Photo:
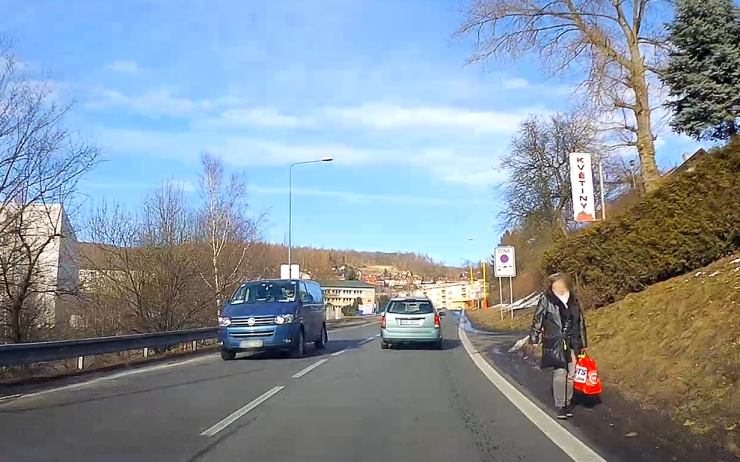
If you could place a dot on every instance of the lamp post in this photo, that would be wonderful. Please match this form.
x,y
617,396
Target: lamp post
x,y
290,206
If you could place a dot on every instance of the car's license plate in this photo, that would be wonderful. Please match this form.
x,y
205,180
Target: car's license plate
x,y
250,344
408,322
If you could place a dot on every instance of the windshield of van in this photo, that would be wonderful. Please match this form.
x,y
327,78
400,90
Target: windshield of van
x,y
410,307
265,291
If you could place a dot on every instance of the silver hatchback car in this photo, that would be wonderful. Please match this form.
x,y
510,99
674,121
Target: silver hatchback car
x,y
411,320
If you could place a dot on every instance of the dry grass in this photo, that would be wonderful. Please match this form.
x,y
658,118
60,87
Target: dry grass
x,y
490,319
673,348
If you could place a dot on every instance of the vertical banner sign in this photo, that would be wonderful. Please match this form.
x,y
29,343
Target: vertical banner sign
x,y
582,184
504,265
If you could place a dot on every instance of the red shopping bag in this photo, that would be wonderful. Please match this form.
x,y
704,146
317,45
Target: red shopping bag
x,y
587,379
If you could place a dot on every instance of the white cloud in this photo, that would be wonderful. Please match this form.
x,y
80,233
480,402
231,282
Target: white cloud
x,y
453,144
237,150
515,83
473,165
386,117
154,103
355,197
124,67
187,186
469,166
258,117
231,113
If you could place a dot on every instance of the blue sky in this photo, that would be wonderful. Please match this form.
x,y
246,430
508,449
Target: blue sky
x,y
379,85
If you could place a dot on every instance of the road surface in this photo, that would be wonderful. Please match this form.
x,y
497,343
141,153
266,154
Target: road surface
x,y
353,402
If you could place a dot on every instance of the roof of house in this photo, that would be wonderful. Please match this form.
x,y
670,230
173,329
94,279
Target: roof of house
x,y
687,162
347,284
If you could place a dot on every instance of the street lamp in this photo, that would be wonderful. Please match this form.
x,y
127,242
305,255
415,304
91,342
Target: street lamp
x,y
290,204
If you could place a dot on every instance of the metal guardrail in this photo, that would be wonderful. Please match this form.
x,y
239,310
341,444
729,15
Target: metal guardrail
x,y
26,353
530,301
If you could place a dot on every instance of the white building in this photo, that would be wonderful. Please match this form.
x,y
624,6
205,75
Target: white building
x,y
41,233
451,295
339,294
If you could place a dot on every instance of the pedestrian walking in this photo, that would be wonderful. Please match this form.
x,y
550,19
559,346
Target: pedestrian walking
x,y
559,325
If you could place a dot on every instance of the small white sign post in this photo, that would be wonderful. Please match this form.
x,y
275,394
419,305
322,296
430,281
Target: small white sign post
x,y
293,273
504,266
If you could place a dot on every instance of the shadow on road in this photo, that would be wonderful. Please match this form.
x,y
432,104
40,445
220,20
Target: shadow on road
x,y
105,396
311,352
447,344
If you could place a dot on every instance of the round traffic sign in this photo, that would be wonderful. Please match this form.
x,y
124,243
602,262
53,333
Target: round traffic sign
x,y
504,258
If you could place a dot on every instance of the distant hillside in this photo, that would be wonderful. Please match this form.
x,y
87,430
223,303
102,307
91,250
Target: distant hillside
x,y
323,263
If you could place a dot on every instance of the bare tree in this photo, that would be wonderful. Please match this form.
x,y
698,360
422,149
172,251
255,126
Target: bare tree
x,y
617,43
40,165
225,227
150,263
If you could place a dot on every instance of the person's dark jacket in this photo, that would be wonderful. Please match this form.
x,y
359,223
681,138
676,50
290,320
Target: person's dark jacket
x,y
560,328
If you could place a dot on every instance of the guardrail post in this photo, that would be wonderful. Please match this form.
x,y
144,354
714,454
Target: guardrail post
x,y
195,345
80,362
146,352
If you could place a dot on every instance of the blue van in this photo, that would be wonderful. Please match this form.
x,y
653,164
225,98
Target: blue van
x,y
281,314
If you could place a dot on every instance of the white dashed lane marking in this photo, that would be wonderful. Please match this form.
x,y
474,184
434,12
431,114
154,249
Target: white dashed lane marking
x,y
309,368
241,411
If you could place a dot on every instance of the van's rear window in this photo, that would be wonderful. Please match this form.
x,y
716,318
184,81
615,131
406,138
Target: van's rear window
x,y
410,307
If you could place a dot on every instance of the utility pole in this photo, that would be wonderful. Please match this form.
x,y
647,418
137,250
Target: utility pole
x,y
601,187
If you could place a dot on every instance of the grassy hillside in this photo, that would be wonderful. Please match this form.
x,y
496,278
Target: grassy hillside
x,y
675,347
672,348
490,319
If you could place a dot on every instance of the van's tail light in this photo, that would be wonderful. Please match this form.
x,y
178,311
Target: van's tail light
x,y
382,321
436,321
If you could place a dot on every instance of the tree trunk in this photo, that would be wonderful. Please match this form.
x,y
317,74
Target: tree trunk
x,y
645,139
16,334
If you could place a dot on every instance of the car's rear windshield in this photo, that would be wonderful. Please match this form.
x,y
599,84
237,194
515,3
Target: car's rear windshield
x,y
410,307
265,291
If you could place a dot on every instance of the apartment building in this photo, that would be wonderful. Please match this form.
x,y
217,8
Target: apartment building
x,y
41,233
451,295
345,293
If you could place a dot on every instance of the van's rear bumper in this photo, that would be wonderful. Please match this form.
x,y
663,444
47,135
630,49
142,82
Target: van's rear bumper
x,y
242,338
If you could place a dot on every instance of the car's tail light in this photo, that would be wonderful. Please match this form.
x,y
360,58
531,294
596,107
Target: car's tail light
x,y
382,321
436,321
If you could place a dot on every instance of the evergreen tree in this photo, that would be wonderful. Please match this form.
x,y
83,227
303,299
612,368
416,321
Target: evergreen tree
x,y
703,71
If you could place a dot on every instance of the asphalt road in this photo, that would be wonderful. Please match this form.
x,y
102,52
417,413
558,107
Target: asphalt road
x,y
360,403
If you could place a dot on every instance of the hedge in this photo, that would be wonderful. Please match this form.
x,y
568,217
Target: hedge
x,y
690,221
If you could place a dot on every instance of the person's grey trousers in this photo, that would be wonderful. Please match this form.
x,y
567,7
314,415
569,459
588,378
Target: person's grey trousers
x,y
562,383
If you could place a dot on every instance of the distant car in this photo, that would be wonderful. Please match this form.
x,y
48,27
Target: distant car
x,y
273,315
411,320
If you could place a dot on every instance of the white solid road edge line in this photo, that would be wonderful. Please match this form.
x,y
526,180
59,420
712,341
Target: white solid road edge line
x,y
313,366
572,446
337,353
241,411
